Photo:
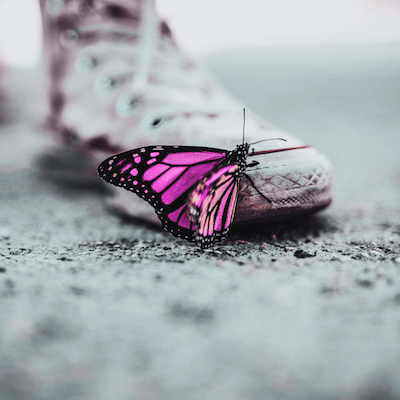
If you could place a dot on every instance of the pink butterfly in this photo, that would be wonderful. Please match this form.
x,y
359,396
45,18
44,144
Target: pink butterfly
x,y
193,190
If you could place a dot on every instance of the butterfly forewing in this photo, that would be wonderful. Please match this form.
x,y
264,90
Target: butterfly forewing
x,y
164,176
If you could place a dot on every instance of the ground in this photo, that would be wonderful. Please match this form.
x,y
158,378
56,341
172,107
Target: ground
x,y
97,307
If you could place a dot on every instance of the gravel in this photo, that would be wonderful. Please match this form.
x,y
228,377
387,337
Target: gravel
x,y
94,306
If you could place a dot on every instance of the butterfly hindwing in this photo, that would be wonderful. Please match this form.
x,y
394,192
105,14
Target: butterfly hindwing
x,y
164,176
212,205
178,223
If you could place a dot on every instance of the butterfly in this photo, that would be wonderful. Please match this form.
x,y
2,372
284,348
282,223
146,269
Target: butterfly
x,y
193,190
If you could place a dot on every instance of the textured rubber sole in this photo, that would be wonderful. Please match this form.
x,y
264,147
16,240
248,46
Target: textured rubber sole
x,y
294,182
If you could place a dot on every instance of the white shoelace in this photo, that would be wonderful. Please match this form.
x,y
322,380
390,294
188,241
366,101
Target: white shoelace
x,y
153,77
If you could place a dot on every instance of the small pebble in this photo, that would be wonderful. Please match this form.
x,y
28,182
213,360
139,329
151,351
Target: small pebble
x,y
98,243
375,253
288,248
303,254
64,259
397,260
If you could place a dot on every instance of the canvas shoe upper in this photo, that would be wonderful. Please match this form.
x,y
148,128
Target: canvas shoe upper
x,y
119,81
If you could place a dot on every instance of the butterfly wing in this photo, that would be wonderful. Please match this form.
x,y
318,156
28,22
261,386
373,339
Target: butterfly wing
x,y
212,205
163,176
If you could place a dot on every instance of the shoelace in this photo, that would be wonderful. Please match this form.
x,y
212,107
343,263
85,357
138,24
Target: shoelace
x,y
155,79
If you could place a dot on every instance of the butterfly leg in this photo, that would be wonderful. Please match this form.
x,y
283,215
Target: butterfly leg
x,y
252,164
254,186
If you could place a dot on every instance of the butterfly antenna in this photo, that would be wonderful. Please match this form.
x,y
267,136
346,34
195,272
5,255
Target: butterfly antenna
x,y
244,123
267,140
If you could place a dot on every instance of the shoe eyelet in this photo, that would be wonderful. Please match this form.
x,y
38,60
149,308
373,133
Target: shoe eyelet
x,y
128,105
106,84
154,123
86,64
69,38
54,7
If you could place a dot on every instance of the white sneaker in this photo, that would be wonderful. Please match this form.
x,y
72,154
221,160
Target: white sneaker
x,y
119,81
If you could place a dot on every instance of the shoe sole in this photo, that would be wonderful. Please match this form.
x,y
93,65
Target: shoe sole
x,y
294,182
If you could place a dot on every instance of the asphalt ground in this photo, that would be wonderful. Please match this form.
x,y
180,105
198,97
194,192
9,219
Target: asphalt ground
x,y
96,306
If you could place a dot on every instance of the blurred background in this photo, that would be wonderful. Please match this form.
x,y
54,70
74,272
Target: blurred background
x,y
207,25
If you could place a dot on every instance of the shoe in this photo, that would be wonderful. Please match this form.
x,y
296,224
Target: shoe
x,y
118,81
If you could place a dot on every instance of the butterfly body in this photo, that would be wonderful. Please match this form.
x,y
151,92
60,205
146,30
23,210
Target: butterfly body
x,y
192,189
